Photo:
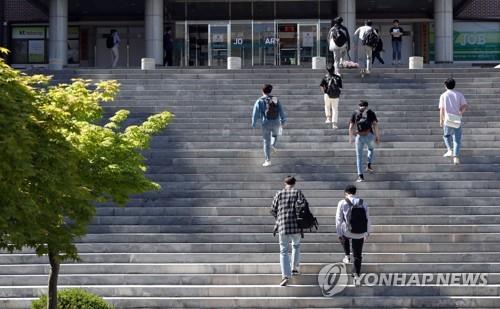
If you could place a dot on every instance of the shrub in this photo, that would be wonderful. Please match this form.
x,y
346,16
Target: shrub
x,y
73,299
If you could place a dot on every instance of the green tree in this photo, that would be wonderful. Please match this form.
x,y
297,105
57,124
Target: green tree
x,y
57,161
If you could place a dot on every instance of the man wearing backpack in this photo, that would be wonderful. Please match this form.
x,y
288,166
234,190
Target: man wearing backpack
x,y
284,212
369,40
269,111
353,224
330,85
339,43
364,126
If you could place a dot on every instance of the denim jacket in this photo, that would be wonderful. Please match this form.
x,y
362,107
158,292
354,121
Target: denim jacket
x,y
259,110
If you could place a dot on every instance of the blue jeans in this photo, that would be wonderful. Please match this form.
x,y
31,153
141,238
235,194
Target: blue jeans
x,y
454,134
361,141
396,50
269,137
286,267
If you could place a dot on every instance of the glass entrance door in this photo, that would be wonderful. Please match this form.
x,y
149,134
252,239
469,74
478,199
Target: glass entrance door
x,y
307,44
287,34
265,43
197,45
219,47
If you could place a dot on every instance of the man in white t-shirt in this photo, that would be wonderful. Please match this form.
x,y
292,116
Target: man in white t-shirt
x,y
361,33
452,105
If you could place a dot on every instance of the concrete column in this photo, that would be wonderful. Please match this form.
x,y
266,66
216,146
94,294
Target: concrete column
x,y
347,10
154,30
58,34
443,21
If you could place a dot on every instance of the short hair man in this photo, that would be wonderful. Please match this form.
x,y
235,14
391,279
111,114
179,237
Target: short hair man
x,y
364,126
452,105
269,111
362,33
330,85
397,38
344,229
339,43
283,210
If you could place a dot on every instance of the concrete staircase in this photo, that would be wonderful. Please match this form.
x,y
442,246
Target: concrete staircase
x,y
206,239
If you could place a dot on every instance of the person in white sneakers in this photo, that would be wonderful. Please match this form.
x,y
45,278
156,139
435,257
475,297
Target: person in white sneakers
x,y
330,85
369,40
269,111
339,43
353,225
452,105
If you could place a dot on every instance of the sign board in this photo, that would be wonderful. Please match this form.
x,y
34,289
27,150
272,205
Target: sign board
x,y
472,41
28,33
308,39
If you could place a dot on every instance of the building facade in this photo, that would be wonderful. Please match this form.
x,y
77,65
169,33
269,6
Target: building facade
x,y
204,33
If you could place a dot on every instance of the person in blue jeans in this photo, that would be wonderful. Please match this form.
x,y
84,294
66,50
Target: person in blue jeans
x,y
287,227
396,34
364,127
452,105
269,111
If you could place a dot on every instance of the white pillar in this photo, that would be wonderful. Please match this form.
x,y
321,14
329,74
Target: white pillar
x,y
443,21
347,10
58,34
154,30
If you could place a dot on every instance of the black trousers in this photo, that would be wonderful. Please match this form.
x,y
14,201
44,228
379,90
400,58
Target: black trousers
x,y
168,59
357,251
376,55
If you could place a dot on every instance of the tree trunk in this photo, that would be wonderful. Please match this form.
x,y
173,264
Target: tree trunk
x,y
54,275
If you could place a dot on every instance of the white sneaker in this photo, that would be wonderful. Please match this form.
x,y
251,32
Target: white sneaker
x,y
356,280
347,259
266,163
328,120
334,126
448,154
456,161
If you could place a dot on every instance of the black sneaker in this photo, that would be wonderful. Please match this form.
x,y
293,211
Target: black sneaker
x,y
295,272
360,178
369,168
284,282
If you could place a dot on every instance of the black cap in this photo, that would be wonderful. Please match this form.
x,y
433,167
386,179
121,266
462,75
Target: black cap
x,y
363,103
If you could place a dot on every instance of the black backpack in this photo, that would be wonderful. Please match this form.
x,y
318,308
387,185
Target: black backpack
x,y
305,219
357,222
339,35
370,38
110,42
271,111
332,88
362,123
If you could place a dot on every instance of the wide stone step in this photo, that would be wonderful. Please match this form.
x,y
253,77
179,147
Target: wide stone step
x,y
139,257
328,185
268,221
338,138
332,246
259,291
318,145
379,228
325,202
273,268
318,211
289,302
125,280
317,237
